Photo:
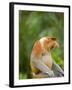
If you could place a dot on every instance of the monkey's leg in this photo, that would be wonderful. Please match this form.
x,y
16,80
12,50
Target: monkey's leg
x,y
57,70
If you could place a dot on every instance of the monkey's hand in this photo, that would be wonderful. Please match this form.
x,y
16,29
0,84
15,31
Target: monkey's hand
x,y
43,68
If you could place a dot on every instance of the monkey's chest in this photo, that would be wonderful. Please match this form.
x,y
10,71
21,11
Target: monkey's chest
x,y
47,60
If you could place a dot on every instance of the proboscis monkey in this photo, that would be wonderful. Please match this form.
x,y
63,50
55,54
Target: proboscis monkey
x,y
42,63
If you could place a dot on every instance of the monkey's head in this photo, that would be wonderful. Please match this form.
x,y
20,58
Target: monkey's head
x,y
48,43
44,45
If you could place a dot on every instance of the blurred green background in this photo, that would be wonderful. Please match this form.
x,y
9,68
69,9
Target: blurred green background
x,y
32,26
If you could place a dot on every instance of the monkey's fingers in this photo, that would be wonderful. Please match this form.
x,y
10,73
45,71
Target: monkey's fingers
x,y
40,75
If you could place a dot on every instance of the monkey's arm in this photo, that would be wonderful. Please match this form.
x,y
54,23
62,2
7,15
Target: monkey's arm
x,y
57,70
43,68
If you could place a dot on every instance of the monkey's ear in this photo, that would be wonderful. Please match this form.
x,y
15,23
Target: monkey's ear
x,y
53,38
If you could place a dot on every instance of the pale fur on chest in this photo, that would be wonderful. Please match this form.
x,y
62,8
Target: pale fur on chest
x,y
47,59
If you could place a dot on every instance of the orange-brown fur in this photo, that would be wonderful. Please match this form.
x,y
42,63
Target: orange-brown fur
x,y
37,49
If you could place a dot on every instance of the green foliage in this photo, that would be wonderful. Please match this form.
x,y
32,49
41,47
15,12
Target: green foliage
x,y
32,26
22,76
